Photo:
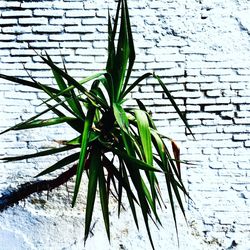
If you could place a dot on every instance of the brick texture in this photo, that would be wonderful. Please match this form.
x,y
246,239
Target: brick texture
x,y
202,45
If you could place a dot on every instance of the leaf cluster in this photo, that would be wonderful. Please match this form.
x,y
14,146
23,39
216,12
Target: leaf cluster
x,y
119,148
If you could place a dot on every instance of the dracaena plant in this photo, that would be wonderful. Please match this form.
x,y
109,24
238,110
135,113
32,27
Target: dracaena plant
x,y
115,144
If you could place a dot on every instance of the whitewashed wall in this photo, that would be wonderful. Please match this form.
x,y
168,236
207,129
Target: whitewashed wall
x,y
209,42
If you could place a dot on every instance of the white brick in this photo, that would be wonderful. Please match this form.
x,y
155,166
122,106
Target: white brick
x,y
213,93
244,93
203,130
16,29
22,52
26,96
80,13
77,45
242,120
216,72
6,21
212,86
11,4
240,100
31,37
41,20
15,59
66,5
47,29
244,107
94,21
219,108
243,71
80,29
199,101
147,95
184,94
59,21
223,100
43,45
157,66
36,5
243,114
48,12
193,86
236,129
158,51
236,78
226,151
170,87
226,144
172,43
170,58
64,37
17,13
238,85
7,37
201,79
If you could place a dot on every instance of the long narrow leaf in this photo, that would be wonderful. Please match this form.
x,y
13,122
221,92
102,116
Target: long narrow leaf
x,y
64,162
133,85
84,144
46,122
130,45
145,136
73,103
95,164
120,116
39,154
122,56
15,127
136,163
29,83
104,200
173,103
75,124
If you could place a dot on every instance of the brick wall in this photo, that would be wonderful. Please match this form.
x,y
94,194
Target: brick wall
x,y
203,46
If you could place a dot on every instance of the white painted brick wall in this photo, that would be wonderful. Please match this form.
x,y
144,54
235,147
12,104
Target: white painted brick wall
x,y
210,40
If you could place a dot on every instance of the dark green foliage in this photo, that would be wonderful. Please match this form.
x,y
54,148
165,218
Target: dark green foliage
x,y
107,127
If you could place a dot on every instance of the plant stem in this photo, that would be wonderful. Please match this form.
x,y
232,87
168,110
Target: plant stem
x,y
12,197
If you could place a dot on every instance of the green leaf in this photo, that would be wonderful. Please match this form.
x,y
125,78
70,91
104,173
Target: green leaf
x,y
111,48
130,45
95,165
39,154
60,82
133,85
29,83
46,122
160,147
122,55
71,87
72,81
121,117
104,200
84,144
173,103
15,127
132,160
137,181
75,124
130,198
111,168
144,132
64,162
